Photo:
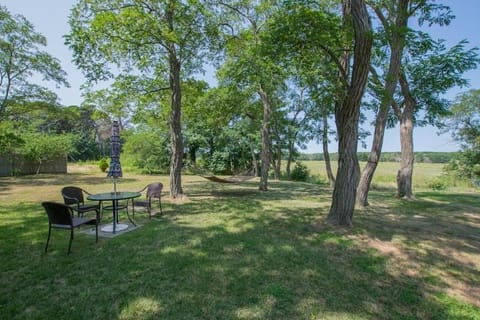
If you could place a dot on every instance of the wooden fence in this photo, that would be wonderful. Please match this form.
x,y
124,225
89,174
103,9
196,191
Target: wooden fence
x,y
13,165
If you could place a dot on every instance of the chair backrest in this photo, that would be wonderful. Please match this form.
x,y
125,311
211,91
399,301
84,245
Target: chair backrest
x,y
72,195
58,213
154,190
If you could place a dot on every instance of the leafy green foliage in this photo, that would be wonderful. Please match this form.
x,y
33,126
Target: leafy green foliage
x,y
465,125
10,139
300,172
148,151
438,184
103,164
431,70
40,148
21,58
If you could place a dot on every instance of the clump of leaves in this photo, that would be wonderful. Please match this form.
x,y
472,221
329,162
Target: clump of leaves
x,y
300,172
438,184
103,164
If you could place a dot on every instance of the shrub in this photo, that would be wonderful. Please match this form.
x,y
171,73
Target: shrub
x,y
103,164
438,184
300,172
318,179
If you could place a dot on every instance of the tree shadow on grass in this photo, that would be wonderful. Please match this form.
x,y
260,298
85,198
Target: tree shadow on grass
x,y
264,272
430,236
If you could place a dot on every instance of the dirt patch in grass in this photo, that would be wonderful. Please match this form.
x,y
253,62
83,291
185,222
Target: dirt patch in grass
x,y
442,250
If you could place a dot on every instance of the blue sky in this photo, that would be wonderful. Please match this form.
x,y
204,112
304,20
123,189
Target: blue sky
x,y
50,19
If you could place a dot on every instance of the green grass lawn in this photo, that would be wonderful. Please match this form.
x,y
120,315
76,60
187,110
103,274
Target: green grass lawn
x,y
233,252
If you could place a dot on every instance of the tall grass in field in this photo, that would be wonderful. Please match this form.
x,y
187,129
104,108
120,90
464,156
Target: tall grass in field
x,y
425,175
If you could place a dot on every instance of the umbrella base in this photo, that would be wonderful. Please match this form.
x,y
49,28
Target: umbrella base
x,y
118,227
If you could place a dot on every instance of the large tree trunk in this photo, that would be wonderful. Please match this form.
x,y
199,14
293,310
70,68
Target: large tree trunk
x,y
176,138
373,158
326,154
347,116
265,157
405,173
397,43
175,130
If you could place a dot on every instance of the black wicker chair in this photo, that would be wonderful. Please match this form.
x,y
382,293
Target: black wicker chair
x,y
61,216
74,198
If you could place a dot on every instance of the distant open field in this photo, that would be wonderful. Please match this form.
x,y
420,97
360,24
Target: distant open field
x,y
385,175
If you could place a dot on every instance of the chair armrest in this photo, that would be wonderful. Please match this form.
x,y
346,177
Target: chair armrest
x,y
143,189
73,199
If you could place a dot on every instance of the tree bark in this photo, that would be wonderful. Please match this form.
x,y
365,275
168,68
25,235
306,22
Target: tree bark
x,y
373,158
176,138
397,43
265,157
347,116
405,173
176,131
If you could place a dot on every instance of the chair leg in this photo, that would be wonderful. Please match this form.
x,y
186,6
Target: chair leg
x,y
70,243
49,233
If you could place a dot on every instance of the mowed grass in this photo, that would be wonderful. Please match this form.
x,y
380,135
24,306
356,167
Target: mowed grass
x,y
233,252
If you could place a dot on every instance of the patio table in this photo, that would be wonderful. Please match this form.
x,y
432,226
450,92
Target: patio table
x,y
115,197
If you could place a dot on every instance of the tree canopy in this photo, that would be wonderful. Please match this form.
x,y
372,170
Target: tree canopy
x,y
22,58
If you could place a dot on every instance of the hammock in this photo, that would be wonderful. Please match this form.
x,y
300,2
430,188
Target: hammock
x,y
232,179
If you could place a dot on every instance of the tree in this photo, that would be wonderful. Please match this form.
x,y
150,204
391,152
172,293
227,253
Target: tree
x,y
464,123
347,116
293,38
218,129
21,58
297,32
419,70
44,147
394,19
432,70
147,150
163,41
10,139
249,67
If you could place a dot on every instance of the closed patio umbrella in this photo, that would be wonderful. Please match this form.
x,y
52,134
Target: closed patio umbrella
x,y
115,169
